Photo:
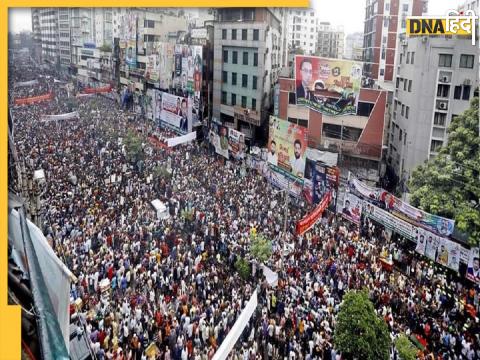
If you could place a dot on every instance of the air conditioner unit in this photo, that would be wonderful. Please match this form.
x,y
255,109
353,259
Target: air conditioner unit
x,y
442,105
466,82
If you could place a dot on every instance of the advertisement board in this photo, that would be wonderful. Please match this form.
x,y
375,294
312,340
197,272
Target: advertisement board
x,y
174,112
236,142
352,208
329,86
151,68
287,143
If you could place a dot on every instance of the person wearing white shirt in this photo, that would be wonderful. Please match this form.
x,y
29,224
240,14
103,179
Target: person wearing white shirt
x,y
272,155
297,163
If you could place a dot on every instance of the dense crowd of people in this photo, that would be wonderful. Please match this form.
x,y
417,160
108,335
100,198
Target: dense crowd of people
x,y
173,281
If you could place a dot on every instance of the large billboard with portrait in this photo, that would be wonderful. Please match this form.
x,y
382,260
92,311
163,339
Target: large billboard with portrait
x,y
329,86
175,113
287,145
130,38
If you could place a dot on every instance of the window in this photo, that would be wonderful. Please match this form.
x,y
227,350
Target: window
x,y
408,58
398,83
254,83
234,34
466,92
255,34
405,7
439,119
436,145
244,80
443,90
386,21
400,134
387,7
225,56
412,57
149,24
405,82
254,104
382,72
224,97
457,92
224,34
245,58
244,101
244,34
404,24
403,110
401,58
466,61
445,60
407,111
255,59
383,53
234,99
234,57
292,98
224,77
234,78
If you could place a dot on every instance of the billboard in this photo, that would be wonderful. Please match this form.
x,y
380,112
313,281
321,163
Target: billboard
x,y
174,113
130,39
151,68
324,179
287,143
329,86
220,141
473,266
166,54
437,224
236,141
352,208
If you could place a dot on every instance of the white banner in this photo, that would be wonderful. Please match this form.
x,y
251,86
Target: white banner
x,y
181,139
231,339
390,221
175,112
272,277
56,275
26,83
66,116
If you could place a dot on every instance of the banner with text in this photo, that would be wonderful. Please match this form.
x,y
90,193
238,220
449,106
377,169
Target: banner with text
x,y
308,221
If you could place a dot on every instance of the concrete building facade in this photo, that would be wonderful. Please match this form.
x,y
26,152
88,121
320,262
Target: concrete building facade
x,y
353,49
330,42
435,82
302,30
248,55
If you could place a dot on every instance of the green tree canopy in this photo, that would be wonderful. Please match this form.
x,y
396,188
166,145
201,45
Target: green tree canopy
x,y
260,247
133,146
449,184
360,333
243,268
406,350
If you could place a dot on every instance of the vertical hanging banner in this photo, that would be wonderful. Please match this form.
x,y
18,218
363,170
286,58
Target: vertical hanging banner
x,y
131,40
236,141
473,266
352,208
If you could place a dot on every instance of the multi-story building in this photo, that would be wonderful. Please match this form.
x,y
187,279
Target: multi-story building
x,y
435,80
302,30
64,44
248,55
48,26
384,20
330,40
354,47
470,5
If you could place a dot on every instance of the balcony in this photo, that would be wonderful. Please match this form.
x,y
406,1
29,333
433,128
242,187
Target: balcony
x,y
246,115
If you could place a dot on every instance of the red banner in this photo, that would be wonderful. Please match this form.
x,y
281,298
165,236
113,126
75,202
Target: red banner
x,y
308,221
102,89
33,99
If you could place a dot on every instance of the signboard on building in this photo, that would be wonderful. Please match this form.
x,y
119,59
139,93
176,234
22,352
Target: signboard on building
x,y
287,143
329,86
199,33
175,113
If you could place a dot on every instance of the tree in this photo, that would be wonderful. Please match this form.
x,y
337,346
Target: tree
x,y
406,350
448,185
359,332
260,247
133,146
243,268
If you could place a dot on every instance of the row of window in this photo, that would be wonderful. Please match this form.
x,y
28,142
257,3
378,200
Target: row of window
x,y
235,57
466,61
244,79
255,36
407,84
233,100
460,92
405,110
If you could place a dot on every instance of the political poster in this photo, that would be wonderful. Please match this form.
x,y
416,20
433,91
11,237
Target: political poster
x,y
432,242
131,39
236,142
434,223
293,186
391,222
352,208
329,86
166,59
287,143
420,240
473,266
219,141
151,68
448,253
141,34
310,219
174,113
